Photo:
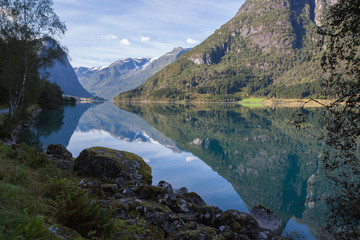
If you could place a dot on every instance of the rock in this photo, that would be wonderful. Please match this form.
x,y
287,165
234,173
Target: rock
x,y
110,164
110,188
169,222
208,214
181,206
194,199
166,185
61,154
194,235
267,220
59,151
152,192
64,233
239,223
181,191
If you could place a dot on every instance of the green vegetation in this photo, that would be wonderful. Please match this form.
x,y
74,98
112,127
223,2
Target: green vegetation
x,y
26,45
251,100
35,194
247,146
271,54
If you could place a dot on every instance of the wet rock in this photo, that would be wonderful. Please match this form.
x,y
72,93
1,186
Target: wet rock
x,y
110,164
267,220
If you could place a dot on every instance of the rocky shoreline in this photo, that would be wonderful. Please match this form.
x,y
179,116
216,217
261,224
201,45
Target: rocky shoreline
x,y
122,180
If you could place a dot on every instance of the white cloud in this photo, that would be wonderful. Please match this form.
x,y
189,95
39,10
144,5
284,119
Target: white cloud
x,y
144,39
191,159
125,41
192,41
109,37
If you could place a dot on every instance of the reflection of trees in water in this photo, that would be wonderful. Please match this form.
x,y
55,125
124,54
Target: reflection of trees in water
x,y
267,161
341,165
48,122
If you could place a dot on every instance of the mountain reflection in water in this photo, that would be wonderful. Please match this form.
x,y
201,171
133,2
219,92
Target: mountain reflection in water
x,y
234,157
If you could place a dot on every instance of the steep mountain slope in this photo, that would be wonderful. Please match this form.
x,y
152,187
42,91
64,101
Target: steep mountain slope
x,y
63,74
124,74
268,48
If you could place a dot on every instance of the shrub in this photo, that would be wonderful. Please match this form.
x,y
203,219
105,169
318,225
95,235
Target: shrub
x,y
74,209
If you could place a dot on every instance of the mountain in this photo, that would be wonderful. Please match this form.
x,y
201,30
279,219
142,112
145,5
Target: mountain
x,y
269,48
63,74
124,74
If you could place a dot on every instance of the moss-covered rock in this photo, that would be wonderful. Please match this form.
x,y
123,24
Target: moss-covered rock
x,y
110,164
239,223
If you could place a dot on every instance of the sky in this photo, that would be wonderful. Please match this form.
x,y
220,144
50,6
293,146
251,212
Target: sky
x,y
100,32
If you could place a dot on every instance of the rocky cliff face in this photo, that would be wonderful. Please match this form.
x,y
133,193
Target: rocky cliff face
x,y
63,74
124,74
264,49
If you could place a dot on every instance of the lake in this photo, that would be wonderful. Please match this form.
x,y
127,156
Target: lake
x,y
234,157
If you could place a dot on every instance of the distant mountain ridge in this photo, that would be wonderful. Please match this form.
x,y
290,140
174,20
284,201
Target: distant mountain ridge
x,y
268,49
123,74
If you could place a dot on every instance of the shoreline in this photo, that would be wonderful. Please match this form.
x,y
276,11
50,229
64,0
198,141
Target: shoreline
x,y
271,102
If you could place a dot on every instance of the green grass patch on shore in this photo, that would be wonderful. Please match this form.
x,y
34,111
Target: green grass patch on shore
x,y
251,105
251,100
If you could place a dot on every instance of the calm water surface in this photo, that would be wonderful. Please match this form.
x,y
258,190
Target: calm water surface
x,y
234,157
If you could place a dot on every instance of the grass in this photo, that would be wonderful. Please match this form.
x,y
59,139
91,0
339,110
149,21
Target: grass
x,y
251,100
251,105
35,194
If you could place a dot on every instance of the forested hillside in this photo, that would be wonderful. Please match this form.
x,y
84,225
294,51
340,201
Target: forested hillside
x,y
270,48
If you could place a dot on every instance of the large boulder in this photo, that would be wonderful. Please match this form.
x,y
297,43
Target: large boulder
x,y
110,164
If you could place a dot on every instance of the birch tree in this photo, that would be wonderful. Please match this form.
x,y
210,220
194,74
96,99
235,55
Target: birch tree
x,y
26,27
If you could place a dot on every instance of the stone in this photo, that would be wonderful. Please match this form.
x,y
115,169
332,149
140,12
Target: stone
x,y
267,220
64,233
208,214
108,187
61,155
59,151
194,199
239,223
151,192
110,164
166,185
181,191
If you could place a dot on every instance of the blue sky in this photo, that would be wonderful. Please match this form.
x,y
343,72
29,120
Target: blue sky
x,y
102,31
